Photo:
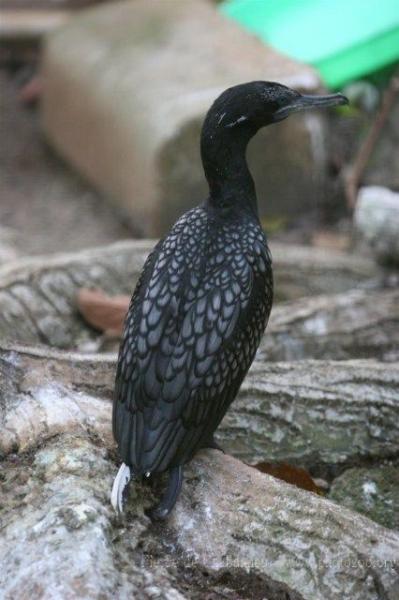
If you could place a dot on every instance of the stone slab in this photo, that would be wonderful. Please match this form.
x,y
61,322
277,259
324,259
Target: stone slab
x,y
125,90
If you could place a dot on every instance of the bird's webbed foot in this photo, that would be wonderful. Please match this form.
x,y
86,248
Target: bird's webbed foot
x,y
120,488
170,495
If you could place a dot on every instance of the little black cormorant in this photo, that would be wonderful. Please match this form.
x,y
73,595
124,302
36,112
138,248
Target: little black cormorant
x,y
201,304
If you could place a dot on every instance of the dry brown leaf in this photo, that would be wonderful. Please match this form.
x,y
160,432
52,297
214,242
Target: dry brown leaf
x,y
294,475
31,92
105,313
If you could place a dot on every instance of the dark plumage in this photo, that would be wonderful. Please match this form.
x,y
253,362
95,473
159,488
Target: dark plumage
x,y
202,302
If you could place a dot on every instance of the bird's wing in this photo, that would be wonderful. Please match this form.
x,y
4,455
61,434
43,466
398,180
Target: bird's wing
x,y
190,337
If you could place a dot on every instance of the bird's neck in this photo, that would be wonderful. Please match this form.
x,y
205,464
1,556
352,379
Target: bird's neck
x,y
224,160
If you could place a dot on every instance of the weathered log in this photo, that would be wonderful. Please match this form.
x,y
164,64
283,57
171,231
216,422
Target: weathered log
x,y
234,533
44,393
355,324
308,271
38,299
322,415
252,535
38,295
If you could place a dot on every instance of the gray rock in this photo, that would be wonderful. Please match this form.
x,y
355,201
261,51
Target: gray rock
x,y
377,219
234,532
57,537
125,90
372,491
276,541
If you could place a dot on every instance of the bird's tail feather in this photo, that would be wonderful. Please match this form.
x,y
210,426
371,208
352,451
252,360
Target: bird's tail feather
x,y
119,488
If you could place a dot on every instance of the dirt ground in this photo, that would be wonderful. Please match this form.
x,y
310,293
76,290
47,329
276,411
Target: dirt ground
x,y
44,203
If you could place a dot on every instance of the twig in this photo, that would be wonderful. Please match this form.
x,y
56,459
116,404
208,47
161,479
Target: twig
x,y
355,172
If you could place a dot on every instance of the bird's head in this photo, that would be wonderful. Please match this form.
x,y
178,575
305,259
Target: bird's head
x,y
250,106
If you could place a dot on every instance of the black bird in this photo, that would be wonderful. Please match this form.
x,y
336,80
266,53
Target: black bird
x,y
201,304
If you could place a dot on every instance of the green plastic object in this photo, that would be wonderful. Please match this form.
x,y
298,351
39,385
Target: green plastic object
x,y
343,39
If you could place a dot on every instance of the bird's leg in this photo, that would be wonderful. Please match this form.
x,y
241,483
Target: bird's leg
x,y
170,495
212,443
120,488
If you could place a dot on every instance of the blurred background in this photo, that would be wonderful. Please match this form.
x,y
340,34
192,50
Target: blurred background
x,y
102,105
101,111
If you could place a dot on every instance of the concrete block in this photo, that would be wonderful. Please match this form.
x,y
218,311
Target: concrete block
x,y
126,87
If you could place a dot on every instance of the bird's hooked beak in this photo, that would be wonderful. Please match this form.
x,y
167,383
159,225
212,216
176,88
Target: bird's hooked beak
x,y
305,102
